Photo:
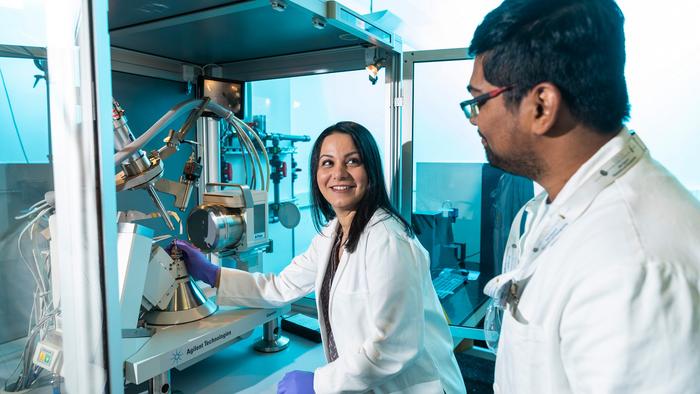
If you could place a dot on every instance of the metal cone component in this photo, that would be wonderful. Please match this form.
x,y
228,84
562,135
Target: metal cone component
x,y
187,304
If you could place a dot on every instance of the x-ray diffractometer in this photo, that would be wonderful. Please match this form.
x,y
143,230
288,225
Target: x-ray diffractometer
x,y
113,307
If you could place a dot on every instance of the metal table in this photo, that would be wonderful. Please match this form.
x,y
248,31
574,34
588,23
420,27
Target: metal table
x,y
183,345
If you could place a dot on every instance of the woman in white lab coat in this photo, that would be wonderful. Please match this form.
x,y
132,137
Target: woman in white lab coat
x,y
381,322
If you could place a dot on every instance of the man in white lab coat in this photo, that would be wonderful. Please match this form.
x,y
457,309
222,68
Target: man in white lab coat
x,y
600,291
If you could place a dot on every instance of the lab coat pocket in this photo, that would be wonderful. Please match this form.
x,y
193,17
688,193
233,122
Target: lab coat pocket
x,y
522,344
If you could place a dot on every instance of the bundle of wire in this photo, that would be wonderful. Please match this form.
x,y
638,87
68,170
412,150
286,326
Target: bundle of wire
x,y
42,316
248,150
247,137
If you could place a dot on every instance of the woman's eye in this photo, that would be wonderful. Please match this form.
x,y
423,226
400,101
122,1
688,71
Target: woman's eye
x,y
354,161
326,163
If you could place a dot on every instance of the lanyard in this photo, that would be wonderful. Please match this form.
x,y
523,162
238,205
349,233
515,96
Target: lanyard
x,y
521,264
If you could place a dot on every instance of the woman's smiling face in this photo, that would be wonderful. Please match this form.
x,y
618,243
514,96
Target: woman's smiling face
x,y
341,174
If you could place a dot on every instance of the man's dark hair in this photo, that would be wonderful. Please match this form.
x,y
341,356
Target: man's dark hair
x,y
375,195
577,45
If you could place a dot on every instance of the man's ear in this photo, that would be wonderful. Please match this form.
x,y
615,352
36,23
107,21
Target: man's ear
x,y
541,107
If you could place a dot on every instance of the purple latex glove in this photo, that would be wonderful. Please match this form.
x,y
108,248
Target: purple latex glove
x,y
196,262
296,382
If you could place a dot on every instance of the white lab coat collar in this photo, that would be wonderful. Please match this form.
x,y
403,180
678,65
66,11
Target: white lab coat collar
x,y
379,215
564,203
590,167
587,170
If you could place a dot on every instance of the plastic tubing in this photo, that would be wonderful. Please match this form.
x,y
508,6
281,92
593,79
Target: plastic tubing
x,y
255,159
157,127
231,118
243,154
246,155
178,110
262,148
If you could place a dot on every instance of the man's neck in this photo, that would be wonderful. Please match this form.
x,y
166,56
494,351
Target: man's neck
x,y
566,155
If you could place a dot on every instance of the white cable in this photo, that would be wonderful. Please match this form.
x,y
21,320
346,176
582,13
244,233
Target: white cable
x,y
262,148
33,209
244,155
255,159
26,355
34,314
237,123
37,307
19,245
21,255
31,316
24,380
49,272
38,314
263,184
250,150
231,118
35,246
157,127
45,319
260,144
38,203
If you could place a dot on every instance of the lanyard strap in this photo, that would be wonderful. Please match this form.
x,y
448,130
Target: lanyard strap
x,y
520,265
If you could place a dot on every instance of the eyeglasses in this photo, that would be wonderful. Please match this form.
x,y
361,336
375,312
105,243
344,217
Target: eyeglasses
x,y
471,107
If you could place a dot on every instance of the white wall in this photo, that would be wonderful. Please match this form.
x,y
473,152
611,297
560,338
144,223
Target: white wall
x,y
23,23
663,59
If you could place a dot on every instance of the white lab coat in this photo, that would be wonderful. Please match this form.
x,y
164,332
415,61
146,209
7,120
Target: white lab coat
x,y
614,304
389,328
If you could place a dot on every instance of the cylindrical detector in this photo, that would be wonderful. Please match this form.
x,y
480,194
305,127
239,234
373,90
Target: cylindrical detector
x,y
138,161
212,228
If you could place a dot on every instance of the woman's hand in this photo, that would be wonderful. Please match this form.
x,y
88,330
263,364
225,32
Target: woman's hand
x,y
296,382
197,263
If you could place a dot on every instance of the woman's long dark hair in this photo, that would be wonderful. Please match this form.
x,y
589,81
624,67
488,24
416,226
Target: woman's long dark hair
x,y
375,195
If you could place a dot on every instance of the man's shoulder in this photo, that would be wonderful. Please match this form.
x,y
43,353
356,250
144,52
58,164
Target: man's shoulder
x,y
664,214
645,216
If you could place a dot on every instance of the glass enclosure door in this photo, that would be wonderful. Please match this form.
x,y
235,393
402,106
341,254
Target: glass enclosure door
x,y
58,268
461,207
